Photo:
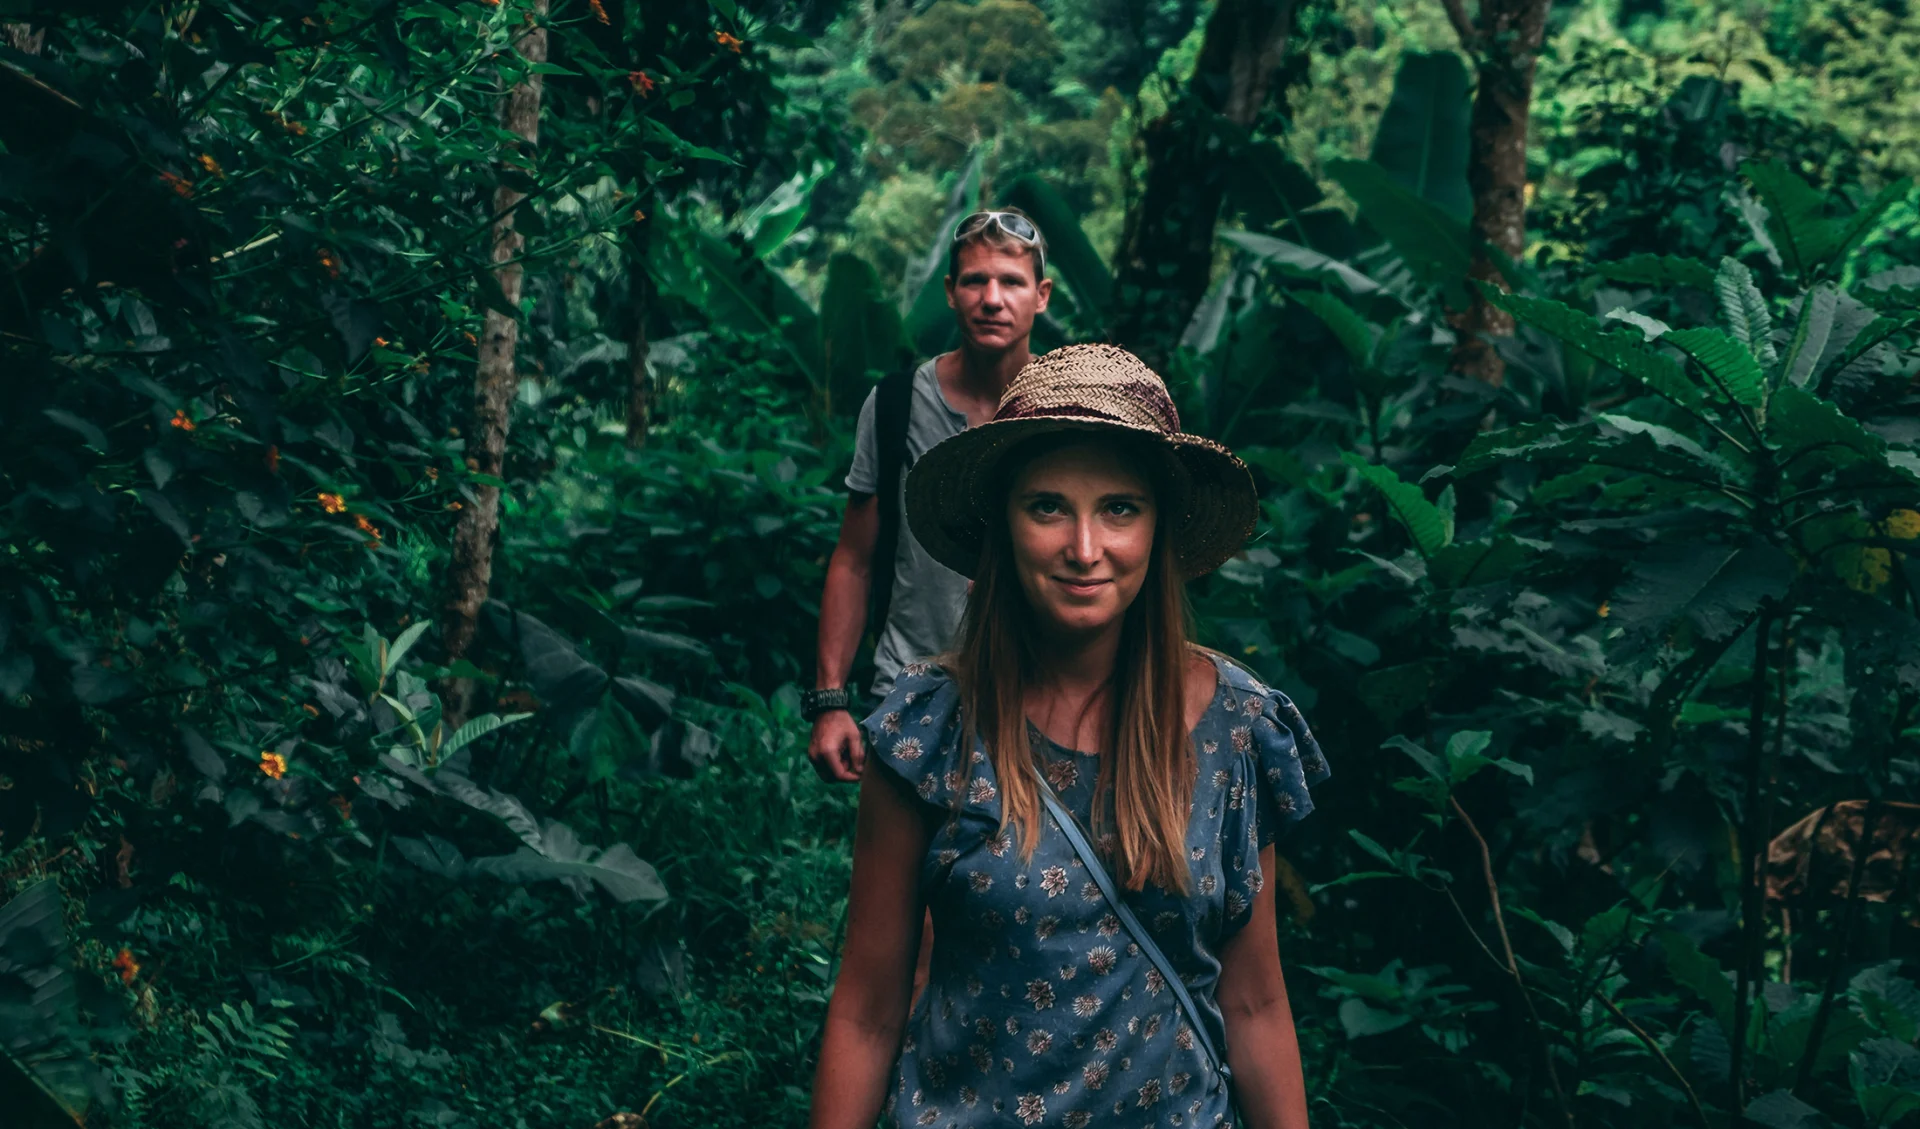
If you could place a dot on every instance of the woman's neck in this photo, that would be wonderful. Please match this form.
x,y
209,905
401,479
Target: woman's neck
x,y
1074,670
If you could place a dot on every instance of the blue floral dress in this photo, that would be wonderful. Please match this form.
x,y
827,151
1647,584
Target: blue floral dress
x,y
1040,1009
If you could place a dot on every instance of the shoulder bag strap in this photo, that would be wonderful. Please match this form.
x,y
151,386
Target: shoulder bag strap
x,y
892,413
1071,827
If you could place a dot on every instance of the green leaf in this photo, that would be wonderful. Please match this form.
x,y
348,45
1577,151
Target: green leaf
x,y
1430,528
747,295
1888,1001
1430,764
1732,367
771,222
1698,972
1863,221
475,729
1745,310
1798,421
1795,216
1810,332
1658,270
401,646
1301,262
860,332
1068,250
1433,244
1422,138
1268,188
1355,333
1622,351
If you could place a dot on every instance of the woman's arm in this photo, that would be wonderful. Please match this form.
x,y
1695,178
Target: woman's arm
x,y
868,1012
1261,1046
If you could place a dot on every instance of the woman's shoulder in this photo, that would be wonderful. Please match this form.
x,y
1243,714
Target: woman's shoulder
x,y
915,729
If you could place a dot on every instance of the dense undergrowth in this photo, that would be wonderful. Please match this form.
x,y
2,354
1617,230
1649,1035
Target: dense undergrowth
x,y
1613,661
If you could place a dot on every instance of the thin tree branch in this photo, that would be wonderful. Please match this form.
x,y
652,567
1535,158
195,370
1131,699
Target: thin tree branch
x,y
1646,1040
1513,965
1462,26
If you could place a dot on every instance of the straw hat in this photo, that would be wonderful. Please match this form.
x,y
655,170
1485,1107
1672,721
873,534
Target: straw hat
x,y
954,491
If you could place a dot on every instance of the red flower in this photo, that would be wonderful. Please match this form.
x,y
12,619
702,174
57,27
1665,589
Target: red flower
x,y
642,82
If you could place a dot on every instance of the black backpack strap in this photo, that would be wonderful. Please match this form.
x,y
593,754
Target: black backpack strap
x,y
892,410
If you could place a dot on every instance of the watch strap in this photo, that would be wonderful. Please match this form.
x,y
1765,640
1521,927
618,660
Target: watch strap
x,y
813,703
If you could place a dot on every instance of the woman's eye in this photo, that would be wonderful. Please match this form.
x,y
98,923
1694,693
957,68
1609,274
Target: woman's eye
x,y
1122,509
1044,507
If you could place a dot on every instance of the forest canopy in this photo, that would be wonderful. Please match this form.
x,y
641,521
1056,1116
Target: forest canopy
x,y
423,434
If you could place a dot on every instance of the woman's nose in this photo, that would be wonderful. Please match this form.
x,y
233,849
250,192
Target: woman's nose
x,y
1084,548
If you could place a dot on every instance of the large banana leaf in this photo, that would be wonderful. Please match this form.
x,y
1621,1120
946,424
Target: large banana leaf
x,y
1069,253
1269,189
1432,243
1301,262
1422,140
860,331
739,291
928,321
770,223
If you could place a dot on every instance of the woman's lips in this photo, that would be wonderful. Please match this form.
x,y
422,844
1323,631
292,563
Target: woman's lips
x,y
1081,587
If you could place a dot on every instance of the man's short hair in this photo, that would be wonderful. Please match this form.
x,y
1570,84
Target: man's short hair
x,y
991,235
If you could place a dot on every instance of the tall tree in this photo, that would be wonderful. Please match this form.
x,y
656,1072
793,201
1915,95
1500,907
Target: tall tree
x,y
1504,39
496,380
1166,251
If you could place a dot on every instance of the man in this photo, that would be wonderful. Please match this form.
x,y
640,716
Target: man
x,y
996,284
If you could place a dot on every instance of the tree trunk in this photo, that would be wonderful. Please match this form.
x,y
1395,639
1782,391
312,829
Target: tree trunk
x,y
1505,44
1166,253
495,384
639,384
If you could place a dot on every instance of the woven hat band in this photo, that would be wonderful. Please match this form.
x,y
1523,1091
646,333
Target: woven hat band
x,y
1102,383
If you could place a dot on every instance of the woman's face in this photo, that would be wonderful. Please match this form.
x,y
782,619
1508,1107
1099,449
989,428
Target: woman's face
x,y
1082,530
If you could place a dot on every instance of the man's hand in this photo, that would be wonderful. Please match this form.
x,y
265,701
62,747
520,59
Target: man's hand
x,y
837,749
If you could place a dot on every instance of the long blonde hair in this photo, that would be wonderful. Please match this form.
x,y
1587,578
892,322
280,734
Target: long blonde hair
x,y
1150,767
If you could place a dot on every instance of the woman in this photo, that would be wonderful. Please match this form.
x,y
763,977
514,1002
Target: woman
x,y
1074,705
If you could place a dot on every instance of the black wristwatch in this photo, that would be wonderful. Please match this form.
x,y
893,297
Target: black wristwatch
x,y
813,703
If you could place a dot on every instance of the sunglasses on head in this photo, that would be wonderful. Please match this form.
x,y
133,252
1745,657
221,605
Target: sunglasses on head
x,y
1014,225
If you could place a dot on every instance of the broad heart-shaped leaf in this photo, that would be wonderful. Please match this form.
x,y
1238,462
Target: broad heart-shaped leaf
x,y
1885,1075
1888,1001
1781,1110
1744,309
1734,371
1422,138
749,296
1355,334
1430,527
1432,243
1662,582
1069,252
929,323
560,675
1626,352
1658,270
860,332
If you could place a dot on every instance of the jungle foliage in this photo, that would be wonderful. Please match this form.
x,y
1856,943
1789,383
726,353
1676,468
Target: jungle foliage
x,y
1617,662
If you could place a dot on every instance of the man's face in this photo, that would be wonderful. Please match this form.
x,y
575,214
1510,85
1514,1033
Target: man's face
x,y
995,296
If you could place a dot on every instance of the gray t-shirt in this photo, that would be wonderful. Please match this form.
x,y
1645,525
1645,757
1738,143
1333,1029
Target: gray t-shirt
x,y
928,597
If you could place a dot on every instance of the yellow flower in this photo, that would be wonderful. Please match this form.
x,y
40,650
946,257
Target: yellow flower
x,y
273,764
332,503
1903,525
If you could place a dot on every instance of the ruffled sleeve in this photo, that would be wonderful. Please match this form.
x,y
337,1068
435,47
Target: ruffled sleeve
x,y
915,733
1286,760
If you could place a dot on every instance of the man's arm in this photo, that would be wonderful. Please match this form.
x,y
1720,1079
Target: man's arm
x,y
836,749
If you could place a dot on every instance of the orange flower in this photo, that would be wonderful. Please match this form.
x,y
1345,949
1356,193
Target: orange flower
x,y
208,163
433,472
332,503
639,216
380,341
1606,606
331,264
642,82
312,710
731,43
599,13
126,966
455,507
177,182
273,460
342,805
298,129
273,764
366,527
181,421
